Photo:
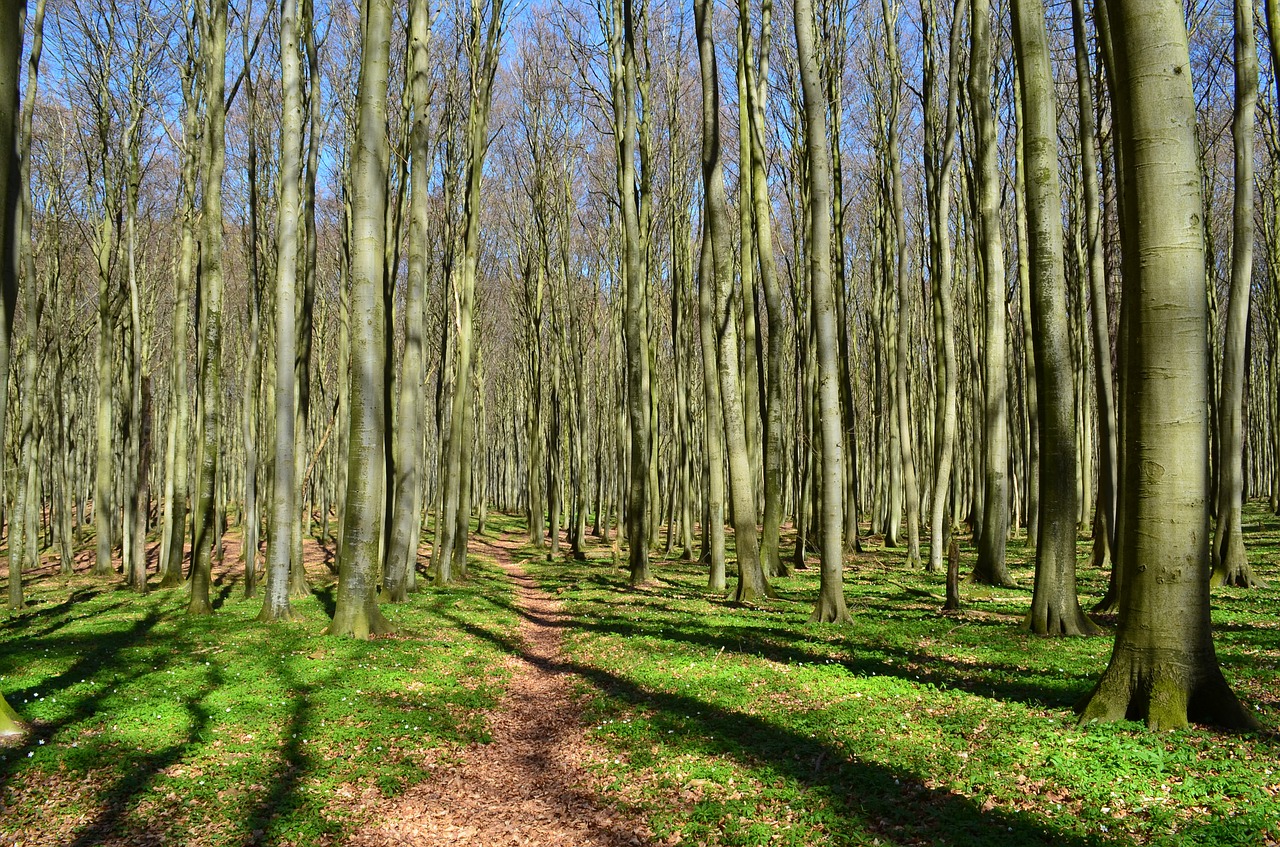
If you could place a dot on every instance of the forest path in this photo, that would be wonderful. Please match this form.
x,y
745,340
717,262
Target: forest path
x,y
530,784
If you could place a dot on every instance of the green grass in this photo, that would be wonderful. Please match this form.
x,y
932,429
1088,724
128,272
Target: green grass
x,y
147,723
718,724
750,726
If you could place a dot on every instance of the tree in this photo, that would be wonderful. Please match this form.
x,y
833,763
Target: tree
x,y
213,28
830,607
11,25
1163,667
402,557
1230,564
752,584
992,539
275,605
356,611
1055,607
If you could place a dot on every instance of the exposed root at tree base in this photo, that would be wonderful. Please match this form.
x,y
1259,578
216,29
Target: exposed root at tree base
x,y
528,785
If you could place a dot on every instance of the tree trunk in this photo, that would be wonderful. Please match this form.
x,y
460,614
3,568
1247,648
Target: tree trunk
x,y
991,568
1055,607
830,607
1163,667
356,611
275,605
1230,564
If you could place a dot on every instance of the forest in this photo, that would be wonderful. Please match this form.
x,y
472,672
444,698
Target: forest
x,y
830,421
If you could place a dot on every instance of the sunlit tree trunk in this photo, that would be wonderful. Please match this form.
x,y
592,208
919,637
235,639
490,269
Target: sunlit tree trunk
x,y
214,58
275,605
1163,667
1055,607
356,611
830,607
1230,564
402,558
993,538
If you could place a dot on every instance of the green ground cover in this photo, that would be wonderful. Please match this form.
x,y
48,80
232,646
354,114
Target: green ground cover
x,y
149,726
751,726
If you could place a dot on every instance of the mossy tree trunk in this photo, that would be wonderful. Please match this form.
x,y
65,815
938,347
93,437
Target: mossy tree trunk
x,y
1163,667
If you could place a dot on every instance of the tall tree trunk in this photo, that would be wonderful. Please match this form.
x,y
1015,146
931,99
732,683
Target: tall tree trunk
x,y
1163,667
830,607
1230,564
1105,524
275,605
940,231
1055,607
402,558
752,584
11,25
991,568
204,534
356,611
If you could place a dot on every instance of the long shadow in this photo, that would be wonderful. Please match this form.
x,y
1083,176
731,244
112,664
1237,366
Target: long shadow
x,y
119,798
282,797
997,681
103,655
895,803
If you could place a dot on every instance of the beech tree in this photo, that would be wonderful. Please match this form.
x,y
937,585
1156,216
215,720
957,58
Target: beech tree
x,y
1163,668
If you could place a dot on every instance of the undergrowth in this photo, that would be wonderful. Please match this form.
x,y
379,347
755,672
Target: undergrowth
x,y
148,726
750,726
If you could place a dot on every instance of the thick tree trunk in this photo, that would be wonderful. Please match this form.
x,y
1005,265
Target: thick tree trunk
x,y
1163,667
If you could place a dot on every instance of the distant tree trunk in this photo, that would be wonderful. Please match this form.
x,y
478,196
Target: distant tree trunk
x,y
251,404
991,568
1230,564
1055,607
1105,525
356,611
1163,667
830,607
275,605
941,279
204,529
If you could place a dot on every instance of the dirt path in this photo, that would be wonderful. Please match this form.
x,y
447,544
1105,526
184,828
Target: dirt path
x,y
529,785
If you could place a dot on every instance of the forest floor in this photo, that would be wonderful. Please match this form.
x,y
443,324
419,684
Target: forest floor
x,y
544,701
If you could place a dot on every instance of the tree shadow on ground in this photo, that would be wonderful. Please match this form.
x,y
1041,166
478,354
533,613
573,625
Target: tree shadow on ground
x,y
894,803
101,656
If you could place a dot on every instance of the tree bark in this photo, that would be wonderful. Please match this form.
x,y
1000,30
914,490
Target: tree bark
x,y
1055,607
1163,667
356,611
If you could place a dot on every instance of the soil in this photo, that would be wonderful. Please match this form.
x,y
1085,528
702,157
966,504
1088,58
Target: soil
x,y
529,785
